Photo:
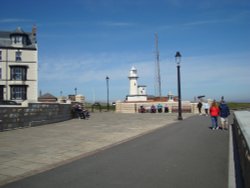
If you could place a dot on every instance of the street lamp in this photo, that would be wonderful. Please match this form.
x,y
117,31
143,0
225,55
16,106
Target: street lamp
x,y
107,82
178,61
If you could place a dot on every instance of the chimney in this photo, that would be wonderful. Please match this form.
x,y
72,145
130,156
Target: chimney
x,y
34,32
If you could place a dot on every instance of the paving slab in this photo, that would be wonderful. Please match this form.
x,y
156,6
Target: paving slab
x,y
27,151
186,154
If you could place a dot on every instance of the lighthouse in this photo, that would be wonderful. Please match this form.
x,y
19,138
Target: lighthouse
x,y
136,92
133,89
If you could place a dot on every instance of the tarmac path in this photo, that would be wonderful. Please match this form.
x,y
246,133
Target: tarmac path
x,y
185,154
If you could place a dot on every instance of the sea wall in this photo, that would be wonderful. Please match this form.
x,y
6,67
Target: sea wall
x,y
133,107
33,114
241,130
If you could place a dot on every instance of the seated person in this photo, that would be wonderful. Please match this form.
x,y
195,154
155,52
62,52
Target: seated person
x,y
159,108
153,109
142,109
85,113
166,108
81,112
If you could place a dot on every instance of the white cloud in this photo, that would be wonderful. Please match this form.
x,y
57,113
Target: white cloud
x,y
211,75
83,69
204,22
14,20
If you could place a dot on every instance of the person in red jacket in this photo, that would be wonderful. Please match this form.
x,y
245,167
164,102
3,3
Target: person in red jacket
x,y
214,113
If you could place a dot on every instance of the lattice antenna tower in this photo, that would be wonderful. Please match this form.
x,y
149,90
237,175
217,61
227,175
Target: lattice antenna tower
x,y
157,69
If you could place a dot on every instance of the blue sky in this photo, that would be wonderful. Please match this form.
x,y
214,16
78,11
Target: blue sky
x,y
83,41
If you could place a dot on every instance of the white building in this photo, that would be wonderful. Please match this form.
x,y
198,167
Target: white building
x,y
18,65
136,92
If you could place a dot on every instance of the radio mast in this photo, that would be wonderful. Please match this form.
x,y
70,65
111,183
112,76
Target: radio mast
x,y
157,69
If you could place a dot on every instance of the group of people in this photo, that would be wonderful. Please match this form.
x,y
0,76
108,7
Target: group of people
x,y
81,112
221,110
153,109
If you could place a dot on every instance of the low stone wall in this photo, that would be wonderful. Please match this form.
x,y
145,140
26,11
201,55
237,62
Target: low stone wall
x,y
241,130
33,114
133,107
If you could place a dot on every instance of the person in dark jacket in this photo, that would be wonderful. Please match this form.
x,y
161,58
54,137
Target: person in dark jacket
x,y
199,106
224,113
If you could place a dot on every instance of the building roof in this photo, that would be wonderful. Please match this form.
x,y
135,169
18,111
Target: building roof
x,y
19,31
5,39
47,96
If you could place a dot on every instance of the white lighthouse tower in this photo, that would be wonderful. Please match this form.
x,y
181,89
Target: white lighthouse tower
x,y
136,92
133,89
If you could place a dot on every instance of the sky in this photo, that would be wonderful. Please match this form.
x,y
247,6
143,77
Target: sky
x,y
80,42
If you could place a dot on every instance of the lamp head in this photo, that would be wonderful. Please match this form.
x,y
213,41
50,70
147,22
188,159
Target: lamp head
x,y
178,58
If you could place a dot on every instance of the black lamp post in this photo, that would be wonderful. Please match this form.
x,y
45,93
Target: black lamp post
x,y
178,61
107,82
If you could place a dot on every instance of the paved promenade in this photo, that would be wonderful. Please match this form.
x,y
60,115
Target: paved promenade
x,y
24,152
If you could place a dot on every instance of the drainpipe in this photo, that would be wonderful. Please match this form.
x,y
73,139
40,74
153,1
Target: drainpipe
x,y
6,71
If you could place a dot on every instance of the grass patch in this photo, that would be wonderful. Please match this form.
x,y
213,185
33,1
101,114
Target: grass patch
x,y
238,106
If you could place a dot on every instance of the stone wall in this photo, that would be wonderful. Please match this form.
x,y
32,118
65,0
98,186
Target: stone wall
x,y
33,114
241,133
132,107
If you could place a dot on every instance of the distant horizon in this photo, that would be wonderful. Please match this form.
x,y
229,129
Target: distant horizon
x,y
191,100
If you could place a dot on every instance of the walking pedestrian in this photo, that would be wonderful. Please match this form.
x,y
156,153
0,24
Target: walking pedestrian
x,y
206,107
199,106
224,113
214,113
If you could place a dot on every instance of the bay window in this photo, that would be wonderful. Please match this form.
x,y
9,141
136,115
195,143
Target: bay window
x,y
18,73
18,92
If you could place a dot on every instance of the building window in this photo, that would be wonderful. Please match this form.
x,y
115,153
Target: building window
x,y
18,56
18,92
0,55
0,73
18,73
18,39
